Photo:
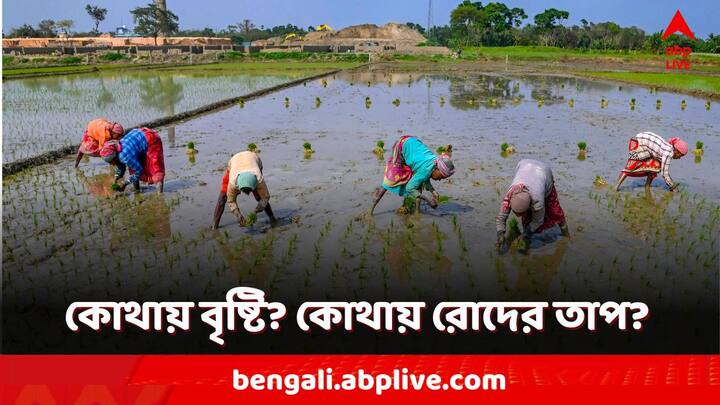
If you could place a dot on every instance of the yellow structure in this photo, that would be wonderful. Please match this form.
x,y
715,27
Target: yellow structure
x,y
323,27
293,37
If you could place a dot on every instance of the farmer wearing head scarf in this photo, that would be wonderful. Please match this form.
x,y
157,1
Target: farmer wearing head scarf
x,y
97,133
243,174
141,151
650,154
410,168
533,198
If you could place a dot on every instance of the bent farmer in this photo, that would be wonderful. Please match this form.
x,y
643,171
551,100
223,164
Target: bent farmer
x,y
409,170
141,151
532,198
243,174
97,133
650,154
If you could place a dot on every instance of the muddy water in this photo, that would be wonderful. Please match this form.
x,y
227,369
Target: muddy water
x,y
41,114
66,235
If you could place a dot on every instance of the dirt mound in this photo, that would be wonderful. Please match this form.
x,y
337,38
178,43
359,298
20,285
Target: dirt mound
x,y
390,31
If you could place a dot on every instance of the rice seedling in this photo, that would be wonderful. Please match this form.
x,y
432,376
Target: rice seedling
x,y
396,102
707,105
442,101
507,149
571,103
683,105
443,199
191,148
253,148
699,148
317,102
368,102
115,187
379,148
324,82
408,206
600,181
241,103
582,150
632,103
603,103
308,150
540,102
441,150
658,104
287,102
516,100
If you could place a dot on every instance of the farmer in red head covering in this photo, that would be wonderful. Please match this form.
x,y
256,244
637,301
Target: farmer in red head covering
x,y
650,154
97,133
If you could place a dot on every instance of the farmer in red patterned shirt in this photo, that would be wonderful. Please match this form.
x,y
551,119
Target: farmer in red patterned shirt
x,y
650,154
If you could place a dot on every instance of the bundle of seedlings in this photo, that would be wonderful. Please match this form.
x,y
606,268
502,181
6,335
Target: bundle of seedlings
x,y
600,181
582,150
407,207
699,148
379,149
308,150
507,149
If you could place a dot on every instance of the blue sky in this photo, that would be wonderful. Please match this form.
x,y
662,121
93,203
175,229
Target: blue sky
x,y
703,16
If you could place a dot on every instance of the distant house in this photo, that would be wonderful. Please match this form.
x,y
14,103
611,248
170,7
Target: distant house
x,y
125,32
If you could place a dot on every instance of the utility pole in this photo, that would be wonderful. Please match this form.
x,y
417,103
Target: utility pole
x,y
429,18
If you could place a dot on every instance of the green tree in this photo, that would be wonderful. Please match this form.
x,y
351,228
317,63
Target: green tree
x,y
547,19
97,14
46,29
417,27
467,20
66,26
246,26
23,31
152,21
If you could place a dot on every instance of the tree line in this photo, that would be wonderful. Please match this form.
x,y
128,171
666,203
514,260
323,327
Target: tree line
x,y
471,24
495,24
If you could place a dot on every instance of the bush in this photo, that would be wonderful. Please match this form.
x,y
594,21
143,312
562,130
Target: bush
x,y
232,55
7,59
71,60
112,56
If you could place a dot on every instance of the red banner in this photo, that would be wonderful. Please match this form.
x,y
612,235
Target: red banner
x,y
210,379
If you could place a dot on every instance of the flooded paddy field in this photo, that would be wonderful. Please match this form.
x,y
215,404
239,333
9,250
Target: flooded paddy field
x,y
42,114
67,237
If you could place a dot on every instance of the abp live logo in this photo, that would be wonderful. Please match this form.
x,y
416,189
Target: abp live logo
x,y
676,57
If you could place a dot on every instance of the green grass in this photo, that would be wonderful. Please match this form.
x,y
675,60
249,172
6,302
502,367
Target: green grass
x,y
10,71
554,53
257,66
49,69
671,80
